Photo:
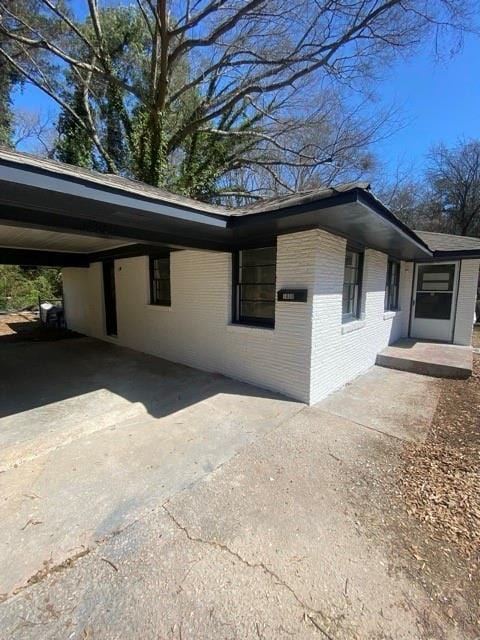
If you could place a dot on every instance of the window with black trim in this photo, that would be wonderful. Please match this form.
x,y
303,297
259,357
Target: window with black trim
x,y
160,280
392,286
352,285
254,275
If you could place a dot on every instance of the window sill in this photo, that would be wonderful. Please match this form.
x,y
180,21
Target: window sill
x,y
388,315
159,307
251,329
353,325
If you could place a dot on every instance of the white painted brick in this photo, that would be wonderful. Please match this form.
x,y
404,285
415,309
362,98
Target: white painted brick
x,y
337,358
196,329
467,292
305,357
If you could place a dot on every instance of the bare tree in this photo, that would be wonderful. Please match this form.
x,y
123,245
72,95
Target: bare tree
x,y
269,77
36,129
454,178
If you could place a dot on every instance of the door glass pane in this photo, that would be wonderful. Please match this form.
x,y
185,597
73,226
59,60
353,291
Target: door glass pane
x,y
433,285
434,306
436,277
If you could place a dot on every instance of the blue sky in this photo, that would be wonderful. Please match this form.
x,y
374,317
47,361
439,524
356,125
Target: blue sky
x,y
439,101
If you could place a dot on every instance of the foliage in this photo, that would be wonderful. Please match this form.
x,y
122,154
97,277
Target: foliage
x,y
20,287
74,144
6,116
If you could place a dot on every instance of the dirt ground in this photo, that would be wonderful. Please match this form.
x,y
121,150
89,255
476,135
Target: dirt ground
x,y
476,336
439,487
25,326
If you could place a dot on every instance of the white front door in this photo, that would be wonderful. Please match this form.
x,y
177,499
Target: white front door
x,y
434,300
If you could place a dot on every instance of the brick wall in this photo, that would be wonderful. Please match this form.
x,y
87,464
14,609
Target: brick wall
x,y
196,329
467,292
308,355
340,352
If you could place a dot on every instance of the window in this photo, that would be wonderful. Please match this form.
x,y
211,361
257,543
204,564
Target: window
x,y
352,285
254,274
392,286
160,280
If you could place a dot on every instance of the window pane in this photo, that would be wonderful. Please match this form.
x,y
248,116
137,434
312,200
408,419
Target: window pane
x,y
351,285
160,280
253,257
162,290
396,273
351,259
161,268
262,310
350,275
251,275
347,302
258,292
256,278
391,288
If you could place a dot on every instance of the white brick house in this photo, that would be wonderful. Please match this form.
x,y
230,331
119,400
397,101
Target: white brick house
x,y
297,295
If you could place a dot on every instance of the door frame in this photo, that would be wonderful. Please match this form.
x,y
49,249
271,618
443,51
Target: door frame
x,y
456,287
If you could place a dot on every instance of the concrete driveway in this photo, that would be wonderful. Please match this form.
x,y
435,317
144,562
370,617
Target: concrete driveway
x,y
92,435
194,507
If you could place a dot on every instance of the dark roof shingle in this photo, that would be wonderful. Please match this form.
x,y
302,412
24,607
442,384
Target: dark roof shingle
x,y
449,242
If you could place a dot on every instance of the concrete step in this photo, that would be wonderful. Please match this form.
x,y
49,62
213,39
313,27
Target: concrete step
x,y
427,358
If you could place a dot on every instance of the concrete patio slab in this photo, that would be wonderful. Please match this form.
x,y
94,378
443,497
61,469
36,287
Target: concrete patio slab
x,y
428,358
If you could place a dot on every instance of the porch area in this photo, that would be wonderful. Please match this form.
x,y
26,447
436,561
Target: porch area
x,y
428,358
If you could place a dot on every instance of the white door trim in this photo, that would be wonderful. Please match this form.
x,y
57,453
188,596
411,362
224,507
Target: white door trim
x,y
432,329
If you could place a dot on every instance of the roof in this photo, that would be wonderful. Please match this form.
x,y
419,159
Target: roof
x,y
300,197
42,194
144,190
449,242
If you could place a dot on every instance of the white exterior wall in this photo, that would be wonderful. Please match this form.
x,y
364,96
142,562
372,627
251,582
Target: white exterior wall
x,y
196,329
467,293
83,299
308,355
340,352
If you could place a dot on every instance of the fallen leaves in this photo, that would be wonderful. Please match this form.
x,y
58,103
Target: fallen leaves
x,y
441,479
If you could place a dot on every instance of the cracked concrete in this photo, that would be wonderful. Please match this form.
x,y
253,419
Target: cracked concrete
x,y
93,435
284,535
257,565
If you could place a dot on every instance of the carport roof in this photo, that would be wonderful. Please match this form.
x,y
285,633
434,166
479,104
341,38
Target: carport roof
x,y
37,194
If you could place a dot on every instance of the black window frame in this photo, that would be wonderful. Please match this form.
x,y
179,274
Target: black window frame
x,y
357,285
237,317
155,299
392,285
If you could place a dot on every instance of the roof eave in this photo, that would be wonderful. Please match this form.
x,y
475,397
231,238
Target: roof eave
x,y
463,254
